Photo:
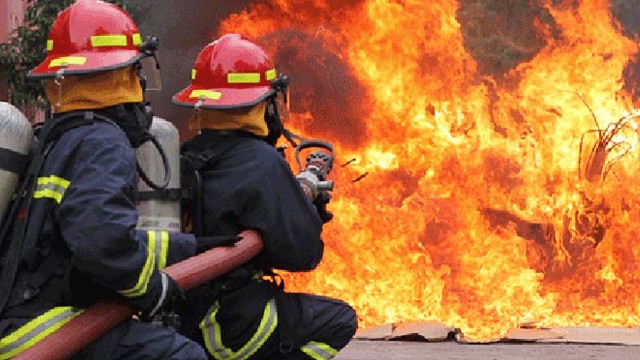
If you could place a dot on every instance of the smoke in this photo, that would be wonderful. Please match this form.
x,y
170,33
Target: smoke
x,y
501,34
322,85
627,12
184,28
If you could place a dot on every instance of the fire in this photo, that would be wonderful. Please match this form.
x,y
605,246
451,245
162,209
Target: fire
x,y
491,198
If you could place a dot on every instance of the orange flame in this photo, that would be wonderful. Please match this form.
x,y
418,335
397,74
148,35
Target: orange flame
x,y
481,207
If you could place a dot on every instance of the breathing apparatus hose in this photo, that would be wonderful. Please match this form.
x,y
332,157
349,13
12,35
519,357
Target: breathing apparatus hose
x,y
165,163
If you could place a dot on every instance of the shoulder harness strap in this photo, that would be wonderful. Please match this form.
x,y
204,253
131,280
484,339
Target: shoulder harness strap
x,y
192,161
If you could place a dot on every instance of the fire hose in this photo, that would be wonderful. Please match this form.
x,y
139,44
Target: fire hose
x,y
98,319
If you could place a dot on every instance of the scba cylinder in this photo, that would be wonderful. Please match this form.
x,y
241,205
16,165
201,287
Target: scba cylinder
x,y
159,209
16,136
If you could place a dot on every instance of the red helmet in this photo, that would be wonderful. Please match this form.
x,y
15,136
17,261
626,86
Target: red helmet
x,y
231,72
88,37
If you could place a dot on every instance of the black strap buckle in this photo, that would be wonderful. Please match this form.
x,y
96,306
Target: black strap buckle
x,y
286,347
160,194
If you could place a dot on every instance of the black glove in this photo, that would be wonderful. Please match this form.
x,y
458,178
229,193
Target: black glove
x,y
170,298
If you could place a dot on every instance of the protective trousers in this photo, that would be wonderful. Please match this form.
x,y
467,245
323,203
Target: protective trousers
x,y
261,321
138,340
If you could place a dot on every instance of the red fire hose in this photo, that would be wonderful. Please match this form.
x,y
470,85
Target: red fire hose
x,y
100,318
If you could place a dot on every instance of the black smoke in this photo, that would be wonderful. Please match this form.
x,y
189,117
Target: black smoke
x,y
501,34
322,84
184,28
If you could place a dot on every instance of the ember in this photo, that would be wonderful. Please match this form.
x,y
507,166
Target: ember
x,y
493,198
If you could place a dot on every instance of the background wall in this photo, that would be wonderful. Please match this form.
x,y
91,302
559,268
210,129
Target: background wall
x,y
10,17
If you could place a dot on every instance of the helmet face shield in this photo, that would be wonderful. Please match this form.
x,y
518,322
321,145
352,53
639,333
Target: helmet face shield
x,y
282,99
150,73
282,103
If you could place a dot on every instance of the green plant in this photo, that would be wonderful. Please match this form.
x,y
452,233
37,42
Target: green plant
x,y
25,49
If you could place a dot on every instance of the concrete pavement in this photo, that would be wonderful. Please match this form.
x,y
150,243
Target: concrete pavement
x,y
452,350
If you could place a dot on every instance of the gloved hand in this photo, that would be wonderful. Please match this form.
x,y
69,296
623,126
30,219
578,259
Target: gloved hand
x,y
170,298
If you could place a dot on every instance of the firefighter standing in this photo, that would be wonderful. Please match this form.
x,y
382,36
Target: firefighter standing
x,y
74,233
247,184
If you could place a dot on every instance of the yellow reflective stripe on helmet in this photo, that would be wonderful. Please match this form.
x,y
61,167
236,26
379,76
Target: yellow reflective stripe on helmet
x,y
160,247
270,74
49,45
207,94
108,40
145,274
68,60
137,39
243,78
193,74
35,330
319,351
212,334
51,187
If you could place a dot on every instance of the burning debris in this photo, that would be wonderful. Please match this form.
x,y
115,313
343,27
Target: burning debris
x,y
610,147
360,177
349,162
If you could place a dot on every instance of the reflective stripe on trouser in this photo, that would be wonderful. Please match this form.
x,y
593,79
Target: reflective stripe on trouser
x,y
212,334
158,242
319,351
35,330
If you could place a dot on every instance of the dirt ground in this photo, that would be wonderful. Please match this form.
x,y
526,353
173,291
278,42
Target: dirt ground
x,y
451,350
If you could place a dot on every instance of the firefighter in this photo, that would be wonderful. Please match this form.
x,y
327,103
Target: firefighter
x,y
74,232
247,184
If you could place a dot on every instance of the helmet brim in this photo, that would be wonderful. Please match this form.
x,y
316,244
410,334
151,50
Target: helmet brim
x,y
222,98
84,63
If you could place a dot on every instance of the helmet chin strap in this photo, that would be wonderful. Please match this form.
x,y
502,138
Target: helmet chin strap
x,y
58,81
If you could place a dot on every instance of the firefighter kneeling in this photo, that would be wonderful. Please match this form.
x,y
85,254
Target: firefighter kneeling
x,y
246,184
72,240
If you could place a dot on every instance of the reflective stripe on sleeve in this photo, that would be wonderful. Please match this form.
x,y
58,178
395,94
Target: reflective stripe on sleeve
x,y
35,330
51,187
145,274
212,334
319,351
160,247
